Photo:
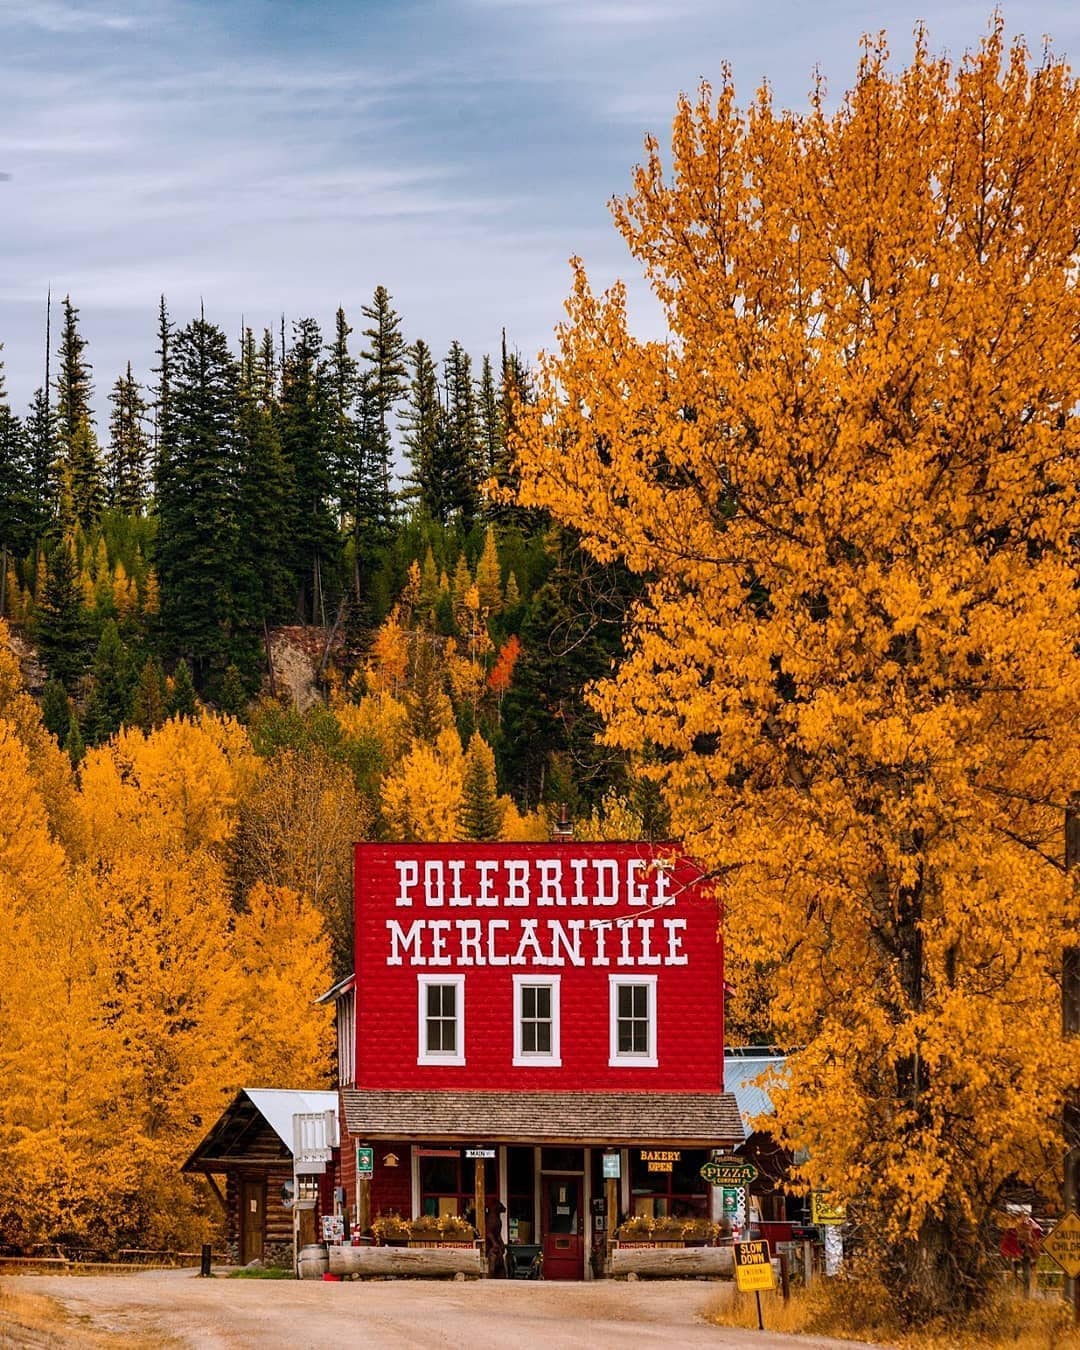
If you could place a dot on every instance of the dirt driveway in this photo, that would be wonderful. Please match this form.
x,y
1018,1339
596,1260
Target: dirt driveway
x,y
177,1309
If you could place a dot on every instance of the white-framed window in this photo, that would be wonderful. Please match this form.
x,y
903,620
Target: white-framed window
x,y
633,1021
441,1004
536,1021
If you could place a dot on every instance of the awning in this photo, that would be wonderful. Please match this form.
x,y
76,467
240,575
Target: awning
x,y
691,1120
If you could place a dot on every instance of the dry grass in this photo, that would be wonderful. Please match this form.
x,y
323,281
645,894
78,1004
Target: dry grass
x,y
850,1311
33,1322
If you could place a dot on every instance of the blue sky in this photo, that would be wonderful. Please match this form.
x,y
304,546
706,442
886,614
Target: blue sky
x,y
270,157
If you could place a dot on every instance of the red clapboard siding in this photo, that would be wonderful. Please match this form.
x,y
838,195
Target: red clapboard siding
x,y
669,918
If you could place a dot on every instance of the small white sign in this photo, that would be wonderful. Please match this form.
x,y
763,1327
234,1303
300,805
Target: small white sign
x,y
479,1153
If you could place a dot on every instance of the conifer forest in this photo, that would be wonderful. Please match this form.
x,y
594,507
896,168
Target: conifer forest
x,y
348,494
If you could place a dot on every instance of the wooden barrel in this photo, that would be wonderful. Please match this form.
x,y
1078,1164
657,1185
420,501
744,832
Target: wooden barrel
x,y
313,1262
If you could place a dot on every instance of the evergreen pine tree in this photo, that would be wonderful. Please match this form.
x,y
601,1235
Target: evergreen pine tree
x,y
491,428
514,391
260,574
234,697
42,451
422,423
429,587
197,524
426,700
148,701
73,741
110,694
163,423
56,709
385,386
479,818
16,508
182,701
343,386
305,425
59,621
128,448
80,457
462,449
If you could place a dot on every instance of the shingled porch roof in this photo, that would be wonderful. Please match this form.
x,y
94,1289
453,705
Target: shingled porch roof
x,y
692,1120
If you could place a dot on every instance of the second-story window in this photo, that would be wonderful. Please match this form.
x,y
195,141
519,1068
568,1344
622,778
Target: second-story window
x,y
633,1021
536,1021
442,1019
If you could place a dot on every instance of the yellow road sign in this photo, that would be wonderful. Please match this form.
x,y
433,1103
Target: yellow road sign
x,y
822,1212
753,1267
1062,1244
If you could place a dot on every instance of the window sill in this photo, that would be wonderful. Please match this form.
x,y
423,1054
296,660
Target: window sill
x,y
536,1062
633,1062
441,1061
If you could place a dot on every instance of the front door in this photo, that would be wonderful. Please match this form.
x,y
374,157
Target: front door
x,y
563,1226
252,1220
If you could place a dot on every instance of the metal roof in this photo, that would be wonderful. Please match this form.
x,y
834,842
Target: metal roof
x,y
741,1073
693,1119
249,1112
277,1106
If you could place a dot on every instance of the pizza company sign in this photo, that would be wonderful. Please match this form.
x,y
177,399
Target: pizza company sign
x,y
468,912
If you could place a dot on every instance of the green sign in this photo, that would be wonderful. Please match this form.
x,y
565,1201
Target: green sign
x,y
729,1172
611,1166
731,1199
365,1163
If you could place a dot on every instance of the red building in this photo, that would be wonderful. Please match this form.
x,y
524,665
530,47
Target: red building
x,y
526,1020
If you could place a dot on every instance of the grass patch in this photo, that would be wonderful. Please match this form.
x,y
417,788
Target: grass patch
x,y
853,1310
269,1273
34,1322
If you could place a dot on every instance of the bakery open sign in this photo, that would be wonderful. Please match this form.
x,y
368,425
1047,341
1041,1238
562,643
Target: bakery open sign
x,y
660,1160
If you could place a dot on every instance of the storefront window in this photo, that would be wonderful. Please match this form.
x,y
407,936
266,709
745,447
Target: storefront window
x,y
679,1193
521,1196
448,1184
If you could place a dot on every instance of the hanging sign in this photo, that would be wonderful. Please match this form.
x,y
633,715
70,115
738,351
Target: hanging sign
x,y
753,1267
731,1201
365,1162
730,1171
479,1153
611,1166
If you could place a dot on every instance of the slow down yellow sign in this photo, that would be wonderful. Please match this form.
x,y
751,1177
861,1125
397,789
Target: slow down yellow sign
x,y
753,1267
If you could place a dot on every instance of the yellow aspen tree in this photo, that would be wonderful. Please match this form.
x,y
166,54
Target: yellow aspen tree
x,y
849,480
49,766
522,827
377,719
296,824
422,799
389,664
175,1000
282,948
489,575
179,784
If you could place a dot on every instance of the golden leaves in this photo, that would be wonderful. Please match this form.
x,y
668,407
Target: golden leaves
x,y
850,480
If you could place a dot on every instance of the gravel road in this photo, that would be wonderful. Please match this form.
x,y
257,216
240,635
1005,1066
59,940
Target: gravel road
x,y
177,1309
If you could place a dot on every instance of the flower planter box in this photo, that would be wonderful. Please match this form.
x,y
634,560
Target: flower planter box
x,y
440,1243
422,1262
650,1244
